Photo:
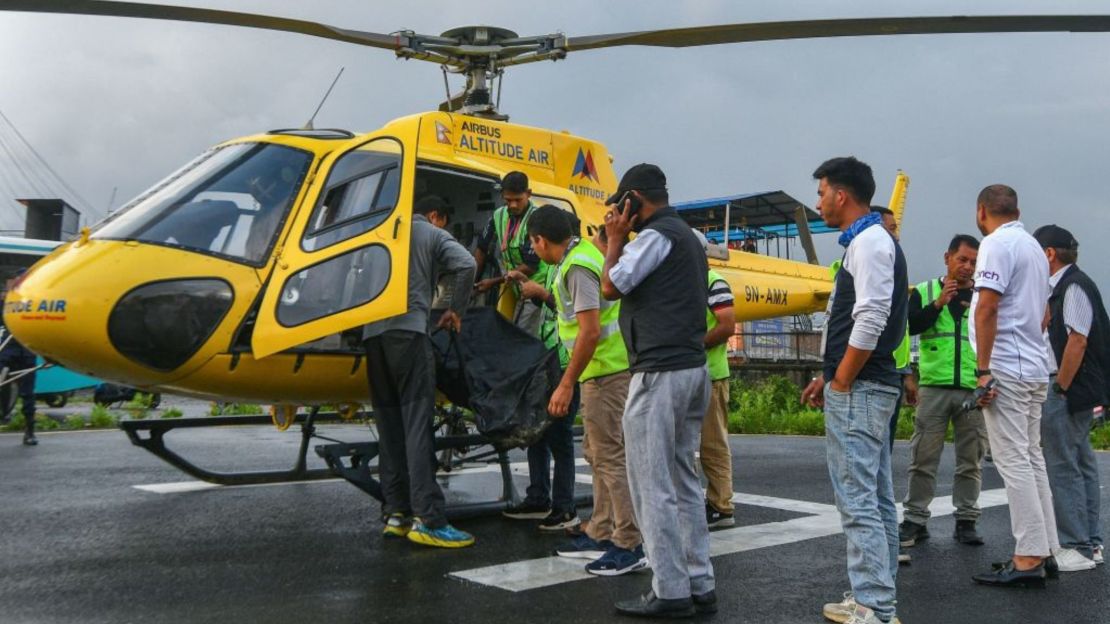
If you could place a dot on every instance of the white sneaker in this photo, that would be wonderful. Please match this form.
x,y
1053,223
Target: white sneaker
x,y
840,611
1071,560
1098,556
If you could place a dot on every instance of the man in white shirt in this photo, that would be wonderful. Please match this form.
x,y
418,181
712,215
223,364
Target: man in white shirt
x,y
1076,338
1007,311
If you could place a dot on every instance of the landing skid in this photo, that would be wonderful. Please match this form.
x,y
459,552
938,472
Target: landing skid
x,y
350,461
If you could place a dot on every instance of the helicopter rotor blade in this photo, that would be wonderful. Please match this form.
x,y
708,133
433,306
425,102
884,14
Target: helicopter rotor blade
x,y
205,16
864,27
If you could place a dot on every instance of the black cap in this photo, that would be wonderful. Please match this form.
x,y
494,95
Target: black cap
x,y
642,177
515,182
1056,237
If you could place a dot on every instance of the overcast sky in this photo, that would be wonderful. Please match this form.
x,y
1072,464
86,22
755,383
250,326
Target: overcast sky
x,y
118,103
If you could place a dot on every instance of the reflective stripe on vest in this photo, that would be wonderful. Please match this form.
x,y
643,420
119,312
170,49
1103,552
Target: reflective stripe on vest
x,y
549,328
717,357
610,356
940,363
509,243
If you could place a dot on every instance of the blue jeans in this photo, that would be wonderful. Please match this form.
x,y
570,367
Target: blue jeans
x,y
1072,474
557,442
857,426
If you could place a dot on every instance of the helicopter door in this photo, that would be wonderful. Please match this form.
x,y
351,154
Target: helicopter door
x,y
345,262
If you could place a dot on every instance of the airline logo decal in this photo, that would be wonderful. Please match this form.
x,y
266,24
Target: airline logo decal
x,y
443,134
584,166
486,140
45,310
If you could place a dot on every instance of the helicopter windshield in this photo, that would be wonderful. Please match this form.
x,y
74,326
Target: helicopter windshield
x,y
229,202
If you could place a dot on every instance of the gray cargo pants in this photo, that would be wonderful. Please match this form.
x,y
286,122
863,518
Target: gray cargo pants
x,y
937,408
662,430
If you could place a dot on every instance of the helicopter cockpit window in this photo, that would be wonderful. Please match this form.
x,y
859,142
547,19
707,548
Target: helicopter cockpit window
x,y
229,202
361,192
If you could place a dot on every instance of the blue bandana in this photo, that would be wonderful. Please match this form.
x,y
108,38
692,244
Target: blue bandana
x,y
859,225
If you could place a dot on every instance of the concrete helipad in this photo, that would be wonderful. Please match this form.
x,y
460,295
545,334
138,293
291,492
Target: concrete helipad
x,y
96,530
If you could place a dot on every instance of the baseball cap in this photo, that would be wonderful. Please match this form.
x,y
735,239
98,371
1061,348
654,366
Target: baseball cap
x,y
641,177
1056,237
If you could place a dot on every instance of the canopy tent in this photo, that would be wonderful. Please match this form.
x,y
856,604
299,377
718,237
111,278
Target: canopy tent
x,y
765,216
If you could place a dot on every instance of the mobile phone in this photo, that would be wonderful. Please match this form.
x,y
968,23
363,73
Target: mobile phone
x,y
979,393
635,206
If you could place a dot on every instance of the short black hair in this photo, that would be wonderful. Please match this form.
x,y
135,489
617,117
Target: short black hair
x,y
1067,256
962,239
999,200
551,223
515,182
883,210
575,223
850,174
431,203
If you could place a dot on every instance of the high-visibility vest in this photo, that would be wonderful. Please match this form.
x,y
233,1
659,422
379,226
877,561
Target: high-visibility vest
x,y
902,353
946,358
717,357
549,328
610,356
509,243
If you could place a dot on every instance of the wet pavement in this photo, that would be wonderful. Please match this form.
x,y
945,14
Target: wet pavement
x,y
81,543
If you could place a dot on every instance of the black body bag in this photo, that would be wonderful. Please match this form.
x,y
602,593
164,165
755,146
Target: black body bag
x,y
501,373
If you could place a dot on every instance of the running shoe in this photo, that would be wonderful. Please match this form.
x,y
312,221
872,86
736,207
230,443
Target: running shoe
x,y
617,561
445,536
397,525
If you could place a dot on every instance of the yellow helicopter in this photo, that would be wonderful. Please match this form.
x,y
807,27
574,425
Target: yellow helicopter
x,y
246,274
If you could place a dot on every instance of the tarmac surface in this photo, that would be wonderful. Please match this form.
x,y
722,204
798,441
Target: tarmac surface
x,y
81,543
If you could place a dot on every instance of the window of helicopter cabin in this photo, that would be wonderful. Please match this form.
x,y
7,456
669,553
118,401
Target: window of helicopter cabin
x,y
360,194
229,202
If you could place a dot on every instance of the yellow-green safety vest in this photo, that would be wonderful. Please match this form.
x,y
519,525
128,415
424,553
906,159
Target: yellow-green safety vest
x,y
902,353
717,357
941,363
510,242
610,356
549,329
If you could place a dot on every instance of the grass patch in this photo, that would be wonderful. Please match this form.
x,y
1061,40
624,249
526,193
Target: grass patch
x,y
234,409
74,422
101,418
172,412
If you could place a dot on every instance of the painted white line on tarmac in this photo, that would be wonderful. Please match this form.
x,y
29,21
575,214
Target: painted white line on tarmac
x,y
536,573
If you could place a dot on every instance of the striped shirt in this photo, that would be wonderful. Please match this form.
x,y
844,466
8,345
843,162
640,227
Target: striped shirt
x,y
1078,312
720,295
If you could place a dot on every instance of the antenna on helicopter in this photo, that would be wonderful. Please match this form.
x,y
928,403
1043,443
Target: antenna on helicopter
x,y
308,124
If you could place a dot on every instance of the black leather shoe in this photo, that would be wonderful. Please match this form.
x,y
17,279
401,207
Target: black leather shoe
x,y
966,533
648,606
29,439
910,533
1009,576
1051,568
705,603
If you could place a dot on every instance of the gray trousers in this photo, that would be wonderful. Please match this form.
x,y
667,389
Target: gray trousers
x,y
1072,473
1014,426
662,430
938,407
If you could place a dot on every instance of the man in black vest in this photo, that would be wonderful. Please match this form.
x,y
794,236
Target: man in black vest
x,y
866,321
660,280
1078,343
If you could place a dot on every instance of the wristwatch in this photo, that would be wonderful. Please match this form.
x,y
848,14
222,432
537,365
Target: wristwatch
x,y
982,372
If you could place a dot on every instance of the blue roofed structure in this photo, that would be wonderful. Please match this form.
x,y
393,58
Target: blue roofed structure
x,y
768,217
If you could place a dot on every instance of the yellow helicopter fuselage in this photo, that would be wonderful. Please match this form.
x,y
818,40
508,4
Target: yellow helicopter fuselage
x,y
220,297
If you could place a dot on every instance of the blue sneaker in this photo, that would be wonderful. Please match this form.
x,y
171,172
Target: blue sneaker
x,y
445,536
617,561
584,547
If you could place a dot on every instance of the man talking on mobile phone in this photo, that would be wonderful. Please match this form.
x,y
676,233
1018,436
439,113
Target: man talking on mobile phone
x,y
660,279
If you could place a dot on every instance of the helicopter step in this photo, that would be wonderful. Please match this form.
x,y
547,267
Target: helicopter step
x,y
155,443
350,461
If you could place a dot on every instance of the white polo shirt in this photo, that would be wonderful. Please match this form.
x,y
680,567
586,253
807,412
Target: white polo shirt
x,y
1012,263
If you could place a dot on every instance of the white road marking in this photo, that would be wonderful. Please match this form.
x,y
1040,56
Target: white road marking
x,y
824,521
